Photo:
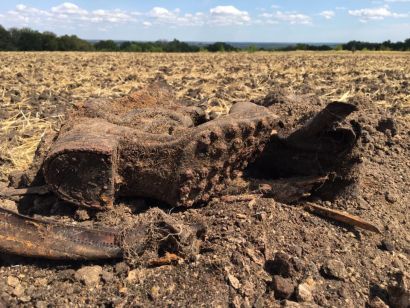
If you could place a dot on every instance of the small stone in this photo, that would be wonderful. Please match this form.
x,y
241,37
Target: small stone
x,y
107,276
304,291
41,282
13,281
89,275
121,268
9,205
82,215
397,263
15,98
261,216
18,290
241,216
376,303
291,304
66,275
362,204
233,281
366,138
154,294
266,300
41,304
135,275
25,299
334,269
123,290
390,197
283,287
386,245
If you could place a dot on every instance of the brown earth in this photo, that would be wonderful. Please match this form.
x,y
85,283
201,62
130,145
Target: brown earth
x,y
255,253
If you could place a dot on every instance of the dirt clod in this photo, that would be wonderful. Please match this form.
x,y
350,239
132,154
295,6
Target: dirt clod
x,y
121,268
386,245
391,197
282,265
89,275
107,276
283,287
388,125
334,269
399,290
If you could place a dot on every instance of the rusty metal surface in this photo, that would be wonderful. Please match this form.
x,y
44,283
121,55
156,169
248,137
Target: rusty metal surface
x,y
30,237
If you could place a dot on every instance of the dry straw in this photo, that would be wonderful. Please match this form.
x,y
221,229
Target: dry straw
x,y
21,133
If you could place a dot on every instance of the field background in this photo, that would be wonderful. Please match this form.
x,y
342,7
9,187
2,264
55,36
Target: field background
x,y
37,90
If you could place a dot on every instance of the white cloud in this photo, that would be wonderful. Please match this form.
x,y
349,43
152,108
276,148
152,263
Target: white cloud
x,y
20,7
160,15
219,15
68,8
160,12
378,13
114,16
327,14
228,15
64,14
392,1
23,10
68,14
288,17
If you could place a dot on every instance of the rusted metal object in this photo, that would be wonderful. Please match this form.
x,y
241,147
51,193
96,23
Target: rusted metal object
x,y
92,161
28,237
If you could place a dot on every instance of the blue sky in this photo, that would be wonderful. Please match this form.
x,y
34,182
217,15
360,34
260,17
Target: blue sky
x,y
214,20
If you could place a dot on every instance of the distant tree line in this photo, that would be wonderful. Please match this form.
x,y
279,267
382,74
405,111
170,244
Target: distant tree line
x,y
26,39
306,47
387,45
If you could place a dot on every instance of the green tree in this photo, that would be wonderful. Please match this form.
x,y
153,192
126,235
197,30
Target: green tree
x,y
29,40
6,42
72,42
49,41
339,47
251,48
220,46
134,47
108,45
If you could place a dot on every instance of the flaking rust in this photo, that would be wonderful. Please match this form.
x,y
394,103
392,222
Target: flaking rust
x,y
28,237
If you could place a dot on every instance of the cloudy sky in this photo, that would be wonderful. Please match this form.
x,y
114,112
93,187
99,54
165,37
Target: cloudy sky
x,y
215,20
